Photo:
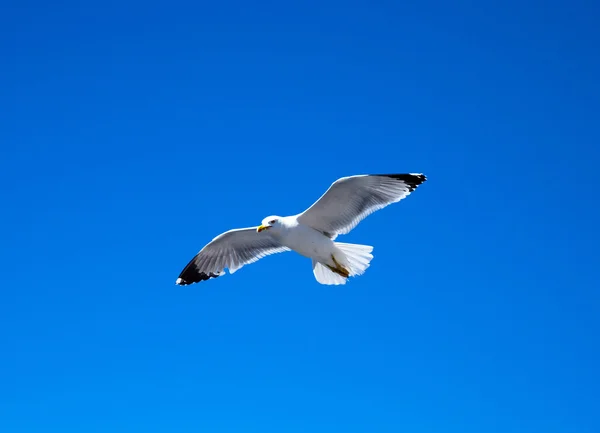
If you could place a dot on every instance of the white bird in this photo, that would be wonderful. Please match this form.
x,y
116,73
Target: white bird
x,y
311,233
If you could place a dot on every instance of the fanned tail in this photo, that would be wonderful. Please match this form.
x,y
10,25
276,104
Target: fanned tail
x,y
357,257
324,275
354,259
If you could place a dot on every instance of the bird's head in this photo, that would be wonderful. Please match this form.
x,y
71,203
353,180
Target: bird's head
x,y
269,222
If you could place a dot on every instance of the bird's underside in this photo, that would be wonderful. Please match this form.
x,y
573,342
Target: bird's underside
x,y
311,233
338,269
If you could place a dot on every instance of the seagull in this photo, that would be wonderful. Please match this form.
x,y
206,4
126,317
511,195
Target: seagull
x,y
311,233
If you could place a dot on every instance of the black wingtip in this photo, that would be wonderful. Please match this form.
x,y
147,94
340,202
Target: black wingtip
x,y
191,274
413,180
190,278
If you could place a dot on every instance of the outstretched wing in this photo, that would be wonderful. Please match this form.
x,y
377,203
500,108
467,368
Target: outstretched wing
x,y
232,250
351,199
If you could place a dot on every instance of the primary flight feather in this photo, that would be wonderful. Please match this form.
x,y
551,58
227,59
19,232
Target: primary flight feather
x,y
346,203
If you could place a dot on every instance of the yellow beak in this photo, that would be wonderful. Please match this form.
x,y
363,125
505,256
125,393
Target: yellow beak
x,y
260,228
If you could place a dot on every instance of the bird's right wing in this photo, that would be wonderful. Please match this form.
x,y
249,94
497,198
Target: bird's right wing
x,y
351,199
232,250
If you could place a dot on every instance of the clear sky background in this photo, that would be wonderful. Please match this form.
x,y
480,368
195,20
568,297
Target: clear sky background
x,y
133,133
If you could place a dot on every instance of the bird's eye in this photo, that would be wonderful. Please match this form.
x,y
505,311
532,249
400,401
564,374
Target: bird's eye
x,y
272,221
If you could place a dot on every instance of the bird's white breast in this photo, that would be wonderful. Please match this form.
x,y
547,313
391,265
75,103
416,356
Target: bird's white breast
x,y
305,240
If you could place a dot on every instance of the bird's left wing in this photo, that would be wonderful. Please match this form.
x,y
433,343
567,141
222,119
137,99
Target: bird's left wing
x,y
351,199
232,250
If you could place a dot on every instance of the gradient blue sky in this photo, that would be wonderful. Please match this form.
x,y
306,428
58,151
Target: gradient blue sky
x,y
134,133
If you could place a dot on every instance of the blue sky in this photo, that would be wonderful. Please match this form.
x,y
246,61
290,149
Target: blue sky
x,y
132,134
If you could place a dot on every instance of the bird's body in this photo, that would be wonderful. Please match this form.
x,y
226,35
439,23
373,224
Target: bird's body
x,y
303,239
311,233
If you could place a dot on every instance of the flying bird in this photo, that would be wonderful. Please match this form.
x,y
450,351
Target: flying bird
x,y
311,233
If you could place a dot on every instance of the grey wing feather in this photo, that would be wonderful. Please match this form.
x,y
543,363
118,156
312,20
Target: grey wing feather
x,y
232,249
351,199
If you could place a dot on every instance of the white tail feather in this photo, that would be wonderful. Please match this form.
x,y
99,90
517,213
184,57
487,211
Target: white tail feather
x,y
355,258
325,276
